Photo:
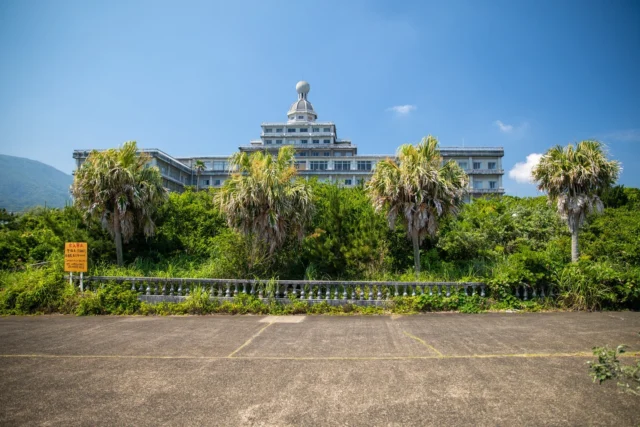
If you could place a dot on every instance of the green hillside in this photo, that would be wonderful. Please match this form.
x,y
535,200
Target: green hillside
x,y
26,183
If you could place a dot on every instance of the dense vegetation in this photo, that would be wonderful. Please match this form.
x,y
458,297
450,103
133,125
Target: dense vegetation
x,y
502,242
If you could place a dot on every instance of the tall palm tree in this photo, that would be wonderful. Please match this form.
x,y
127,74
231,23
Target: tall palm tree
x,y
199,167
573,177
116,187
418,189
264,200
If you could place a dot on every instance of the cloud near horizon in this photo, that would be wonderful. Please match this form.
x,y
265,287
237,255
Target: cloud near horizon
x,y
402,110
521,171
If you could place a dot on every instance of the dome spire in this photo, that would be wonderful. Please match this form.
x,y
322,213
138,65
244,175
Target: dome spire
x,y
302,110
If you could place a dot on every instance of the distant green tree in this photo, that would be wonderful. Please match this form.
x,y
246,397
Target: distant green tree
x,y
264,201
418,189
614,197
199,167
118,188
573,177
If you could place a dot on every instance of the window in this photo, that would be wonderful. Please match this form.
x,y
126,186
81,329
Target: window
x,y
301,165
314,154
337,154
359,181
291,130
364,165
316,141
318,165
302,154
477,165
493,185
268,130
348,153
278,130
326,130
347,182
491,165
315,129
304,129
301,117
278,141
463,165
304,141
327,141
342,165
477,185
205,182
216,182
267,141
327,153
219,165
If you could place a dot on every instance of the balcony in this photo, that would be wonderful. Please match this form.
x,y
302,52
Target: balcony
x,y
485,172
486,190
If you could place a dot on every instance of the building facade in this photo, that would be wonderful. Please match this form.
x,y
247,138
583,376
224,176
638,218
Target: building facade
x,y
320,153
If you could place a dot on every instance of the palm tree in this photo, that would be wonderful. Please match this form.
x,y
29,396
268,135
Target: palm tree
x,y
573,178
418,189
264,201
116,187
199,167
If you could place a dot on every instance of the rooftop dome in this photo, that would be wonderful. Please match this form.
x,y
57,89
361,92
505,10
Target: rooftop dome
x,y
302,106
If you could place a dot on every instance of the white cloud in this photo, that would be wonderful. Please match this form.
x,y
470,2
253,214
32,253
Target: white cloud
x,y
504,127
521,171
402,110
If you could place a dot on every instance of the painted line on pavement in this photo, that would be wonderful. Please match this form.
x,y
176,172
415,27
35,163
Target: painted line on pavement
x,y
354,358
249,341
424,343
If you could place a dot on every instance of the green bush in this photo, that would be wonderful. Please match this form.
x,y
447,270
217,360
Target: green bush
x,y
111,298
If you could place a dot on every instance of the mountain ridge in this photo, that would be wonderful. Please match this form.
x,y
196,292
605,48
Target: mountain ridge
x,y
26,183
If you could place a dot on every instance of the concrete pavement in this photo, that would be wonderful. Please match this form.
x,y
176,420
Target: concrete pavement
x,y
434,369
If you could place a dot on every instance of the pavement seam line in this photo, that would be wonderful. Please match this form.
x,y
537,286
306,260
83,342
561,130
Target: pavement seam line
x,y
354,358
424,343
249,340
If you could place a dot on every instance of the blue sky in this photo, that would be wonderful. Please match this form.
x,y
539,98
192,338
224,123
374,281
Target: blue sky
x,y
198,78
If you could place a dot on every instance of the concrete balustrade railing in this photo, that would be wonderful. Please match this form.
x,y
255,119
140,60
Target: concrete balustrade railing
x,y
157,289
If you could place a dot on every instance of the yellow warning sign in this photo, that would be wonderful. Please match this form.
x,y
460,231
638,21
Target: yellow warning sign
x,y
75,256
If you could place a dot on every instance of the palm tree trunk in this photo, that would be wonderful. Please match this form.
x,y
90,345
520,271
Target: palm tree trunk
x,y
575,253
117,237
416,253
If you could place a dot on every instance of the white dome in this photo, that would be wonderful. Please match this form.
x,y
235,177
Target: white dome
x,y
303,87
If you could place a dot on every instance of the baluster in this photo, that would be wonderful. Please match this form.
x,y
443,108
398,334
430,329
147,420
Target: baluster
x,y
235,289
344,291
482,290
533,292
473,290
379,287
517,291
148,288
188,289
311,294
328,293
362,293
397,293
448,291
244,287
413,290
524,287
551,291
252,288
133,285
404,293
302,293
336,294
430,290
541,291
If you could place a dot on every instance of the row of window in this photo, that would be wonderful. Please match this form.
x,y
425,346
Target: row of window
x,y
291,141
478,185
216,182
477,165
294,130
323,165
